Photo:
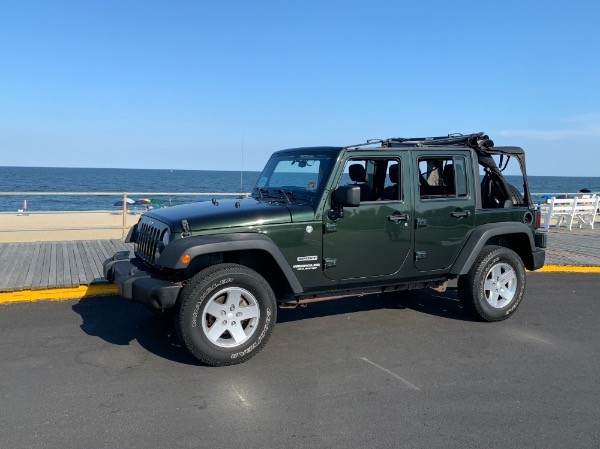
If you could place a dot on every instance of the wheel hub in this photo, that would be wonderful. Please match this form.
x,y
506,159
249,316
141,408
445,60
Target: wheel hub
x,y
232,303
500,285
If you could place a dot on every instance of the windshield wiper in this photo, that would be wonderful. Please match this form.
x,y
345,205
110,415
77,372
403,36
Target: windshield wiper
x,y
293,197
288,196
285,195
260,192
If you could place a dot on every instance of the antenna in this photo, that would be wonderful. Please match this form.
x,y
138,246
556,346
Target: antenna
x,y
242,170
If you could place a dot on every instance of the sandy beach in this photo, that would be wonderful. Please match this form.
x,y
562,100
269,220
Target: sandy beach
x,y
61,226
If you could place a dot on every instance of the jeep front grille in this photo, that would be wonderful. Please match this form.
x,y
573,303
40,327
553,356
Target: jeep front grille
x,y
149,234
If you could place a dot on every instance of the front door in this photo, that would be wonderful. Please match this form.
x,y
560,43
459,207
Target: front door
x,y
373,239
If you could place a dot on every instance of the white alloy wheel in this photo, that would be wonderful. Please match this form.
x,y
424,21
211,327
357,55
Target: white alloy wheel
x,y
500,285
230,317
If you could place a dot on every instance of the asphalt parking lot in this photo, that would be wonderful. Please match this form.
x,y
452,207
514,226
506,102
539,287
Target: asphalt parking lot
x,y
408,371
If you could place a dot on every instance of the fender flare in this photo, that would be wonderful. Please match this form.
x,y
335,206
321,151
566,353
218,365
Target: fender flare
x,y
478,238
206,244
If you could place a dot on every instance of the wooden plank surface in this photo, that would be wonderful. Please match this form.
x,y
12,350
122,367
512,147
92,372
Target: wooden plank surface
x,y
37,268
9,268
53,268
65,278
85,260
28,259
40,265
81,276
32,264
21,260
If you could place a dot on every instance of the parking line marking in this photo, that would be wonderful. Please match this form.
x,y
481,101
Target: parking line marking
x,y
242,398
535,338
404,381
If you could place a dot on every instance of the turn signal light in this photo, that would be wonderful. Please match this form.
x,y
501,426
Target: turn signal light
x,y
185,258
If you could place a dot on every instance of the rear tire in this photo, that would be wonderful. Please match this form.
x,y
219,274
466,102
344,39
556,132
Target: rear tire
x,y
494,287
226,314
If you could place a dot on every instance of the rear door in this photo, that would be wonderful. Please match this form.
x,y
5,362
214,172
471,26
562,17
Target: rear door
x,y
444,207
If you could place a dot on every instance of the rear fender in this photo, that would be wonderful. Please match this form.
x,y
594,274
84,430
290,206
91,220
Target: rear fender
x,y
519,234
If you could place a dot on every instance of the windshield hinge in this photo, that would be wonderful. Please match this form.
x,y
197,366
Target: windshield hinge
x,y
186,229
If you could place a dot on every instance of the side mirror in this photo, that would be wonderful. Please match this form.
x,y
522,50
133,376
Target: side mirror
x,y
346,196
343,196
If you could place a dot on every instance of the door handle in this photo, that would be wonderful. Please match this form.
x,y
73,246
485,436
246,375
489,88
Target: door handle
x,y
460,214
398,217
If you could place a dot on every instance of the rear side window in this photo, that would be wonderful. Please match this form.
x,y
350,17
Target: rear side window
x,y
442,177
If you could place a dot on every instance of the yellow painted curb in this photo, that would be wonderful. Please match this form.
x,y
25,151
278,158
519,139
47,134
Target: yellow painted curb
x,y
570,269
59,293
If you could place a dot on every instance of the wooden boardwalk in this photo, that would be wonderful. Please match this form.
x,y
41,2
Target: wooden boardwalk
x,y
44,265
576,247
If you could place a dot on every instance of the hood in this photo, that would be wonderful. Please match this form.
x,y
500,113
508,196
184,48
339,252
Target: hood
x,y
224,214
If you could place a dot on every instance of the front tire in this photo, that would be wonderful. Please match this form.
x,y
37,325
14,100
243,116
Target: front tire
x,y
494,287
226,314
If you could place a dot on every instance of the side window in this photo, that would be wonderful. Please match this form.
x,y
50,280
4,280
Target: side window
x,y
378,178
393,181
460,176
442,177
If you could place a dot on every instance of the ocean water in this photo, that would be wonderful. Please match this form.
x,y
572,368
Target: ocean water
x,y
46,179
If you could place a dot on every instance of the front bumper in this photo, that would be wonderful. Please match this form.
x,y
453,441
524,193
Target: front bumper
x,y
136,283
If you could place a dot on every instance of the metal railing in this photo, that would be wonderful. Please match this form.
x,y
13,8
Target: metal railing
x,y
561,193
123,211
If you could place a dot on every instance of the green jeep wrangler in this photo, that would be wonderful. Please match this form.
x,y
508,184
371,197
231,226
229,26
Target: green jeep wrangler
x,y
328,222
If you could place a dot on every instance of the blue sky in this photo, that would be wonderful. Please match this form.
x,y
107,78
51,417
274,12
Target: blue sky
x,y
187,84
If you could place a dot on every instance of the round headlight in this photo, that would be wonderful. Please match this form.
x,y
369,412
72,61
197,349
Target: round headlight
x,y
165,237
162,243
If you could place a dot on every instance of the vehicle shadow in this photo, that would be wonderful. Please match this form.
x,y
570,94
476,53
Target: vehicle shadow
x,y
444,305
120,322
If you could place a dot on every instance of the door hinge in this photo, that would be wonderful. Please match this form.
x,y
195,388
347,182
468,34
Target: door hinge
x,y
329,263
330,227
419,255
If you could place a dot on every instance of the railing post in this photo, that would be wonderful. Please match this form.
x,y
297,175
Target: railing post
x,y
124,214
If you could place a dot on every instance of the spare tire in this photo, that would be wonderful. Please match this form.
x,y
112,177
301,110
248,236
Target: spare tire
x,y
515,195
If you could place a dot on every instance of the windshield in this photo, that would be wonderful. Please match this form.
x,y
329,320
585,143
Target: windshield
x,y
294,176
